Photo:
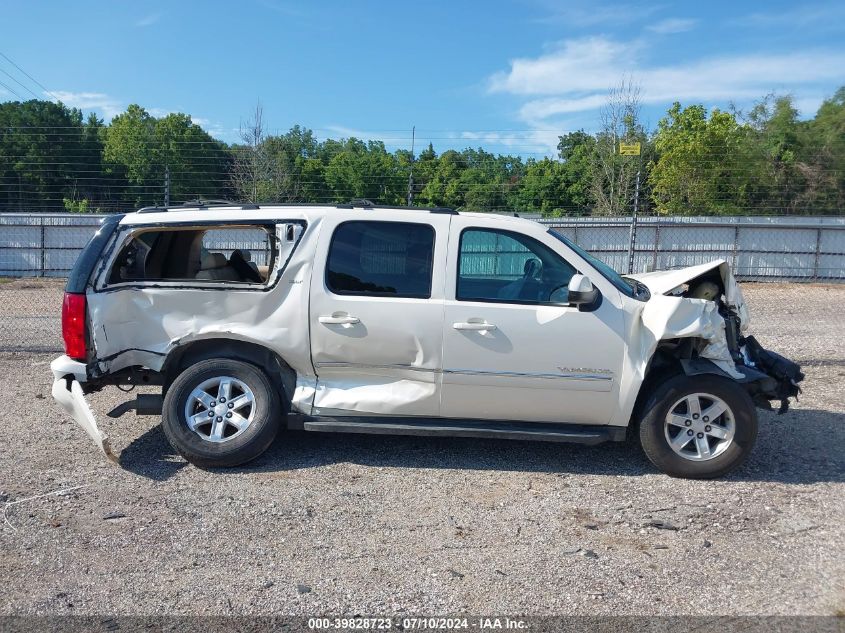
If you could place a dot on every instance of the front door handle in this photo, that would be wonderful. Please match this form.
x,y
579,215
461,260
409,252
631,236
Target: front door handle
x,y
474,326
338,319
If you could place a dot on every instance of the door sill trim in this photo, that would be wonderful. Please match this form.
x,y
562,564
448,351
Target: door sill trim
x,y
452,427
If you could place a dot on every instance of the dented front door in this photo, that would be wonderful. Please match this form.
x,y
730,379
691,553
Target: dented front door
x,y
376,314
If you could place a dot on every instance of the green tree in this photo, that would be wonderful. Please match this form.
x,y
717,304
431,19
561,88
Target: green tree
x,y
577,150
773,149
424,167
700,168
197,162
544,188
823,157
40,146
365,170
129,153
613,175
441,188
144,148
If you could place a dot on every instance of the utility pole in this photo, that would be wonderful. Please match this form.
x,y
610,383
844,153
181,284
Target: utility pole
x,y
633,236
167,185
411,171
633,149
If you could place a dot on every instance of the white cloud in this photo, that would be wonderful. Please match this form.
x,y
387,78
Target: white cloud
x,y
349,132
148,20
575,76
520,142
575,65
108,106
672,25
539,109
213,128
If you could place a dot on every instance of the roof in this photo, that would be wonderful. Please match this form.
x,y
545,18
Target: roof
x,y
213,211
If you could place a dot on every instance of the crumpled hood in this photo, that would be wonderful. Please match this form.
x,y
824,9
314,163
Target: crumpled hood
x,y
664,281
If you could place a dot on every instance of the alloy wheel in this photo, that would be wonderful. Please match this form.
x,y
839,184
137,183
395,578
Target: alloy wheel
x,y
700,427
220,409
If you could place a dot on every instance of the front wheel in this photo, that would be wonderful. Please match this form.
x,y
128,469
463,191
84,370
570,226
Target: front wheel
x,y
221,412
698,427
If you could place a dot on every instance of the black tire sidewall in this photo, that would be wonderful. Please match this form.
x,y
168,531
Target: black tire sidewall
x,y
249,444
652,426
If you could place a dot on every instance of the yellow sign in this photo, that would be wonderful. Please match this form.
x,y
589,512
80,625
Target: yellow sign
x,y
629,149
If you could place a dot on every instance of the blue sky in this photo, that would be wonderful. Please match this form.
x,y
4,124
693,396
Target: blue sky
x,y
510,76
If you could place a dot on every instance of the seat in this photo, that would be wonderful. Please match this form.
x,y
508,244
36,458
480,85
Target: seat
x,y
241,262
215,267
526,288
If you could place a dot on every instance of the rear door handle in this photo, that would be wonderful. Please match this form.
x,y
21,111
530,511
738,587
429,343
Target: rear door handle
x,y
338,319
474,326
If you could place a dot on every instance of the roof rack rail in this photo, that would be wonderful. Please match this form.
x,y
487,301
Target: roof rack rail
x,y
368,204
199,204
358,202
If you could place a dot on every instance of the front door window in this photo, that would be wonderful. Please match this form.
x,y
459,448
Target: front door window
x,y
506,267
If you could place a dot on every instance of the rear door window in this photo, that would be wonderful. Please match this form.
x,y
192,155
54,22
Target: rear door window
x,y
388,259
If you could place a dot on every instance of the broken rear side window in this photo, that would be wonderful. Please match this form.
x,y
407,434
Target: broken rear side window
x,y
235,254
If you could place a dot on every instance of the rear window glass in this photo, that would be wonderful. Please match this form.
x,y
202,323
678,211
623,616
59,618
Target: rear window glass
x,y
222,254
381,259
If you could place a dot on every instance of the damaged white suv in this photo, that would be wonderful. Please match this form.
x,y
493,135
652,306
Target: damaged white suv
x,y
362,319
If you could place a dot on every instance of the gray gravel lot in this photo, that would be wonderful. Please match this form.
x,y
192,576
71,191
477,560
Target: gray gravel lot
x,y
392,525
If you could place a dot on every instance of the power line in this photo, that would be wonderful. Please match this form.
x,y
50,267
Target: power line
x,y
11,90
19,83
38,83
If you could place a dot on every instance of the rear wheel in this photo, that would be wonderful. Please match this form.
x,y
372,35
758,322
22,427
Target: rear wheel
x,y
221,412
698,427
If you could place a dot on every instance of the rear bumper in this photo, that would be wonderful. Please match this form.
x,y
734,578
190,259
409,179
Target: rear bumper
x,y
68,375
65,366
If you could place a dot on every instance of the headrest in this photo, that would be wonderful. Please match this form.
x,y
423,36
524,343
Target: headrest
x,y
244,253
212,260
532,267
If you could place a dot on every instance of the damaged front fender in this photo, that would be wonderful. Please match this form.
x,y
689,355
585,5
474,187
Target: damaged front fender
x,y
718,323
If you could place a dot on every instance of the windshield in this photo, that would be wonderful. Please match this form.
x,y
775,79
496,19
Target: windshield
x,y
626,286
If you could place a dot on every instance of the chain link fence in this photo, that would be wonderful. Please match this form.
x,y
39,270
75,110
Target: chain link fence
x,y
38,250
775,248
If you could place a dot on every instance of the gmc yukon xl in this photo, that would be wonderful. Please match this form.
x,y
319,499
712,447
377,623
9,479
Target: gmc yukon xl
x,y
363,319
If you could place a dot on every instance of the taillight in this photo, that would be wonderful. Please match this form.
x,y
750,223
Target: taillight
x,y
73,325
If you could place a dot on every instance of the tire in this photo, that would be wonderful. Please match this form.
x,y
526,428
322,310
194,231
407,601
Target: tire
x,y
254,413
697,457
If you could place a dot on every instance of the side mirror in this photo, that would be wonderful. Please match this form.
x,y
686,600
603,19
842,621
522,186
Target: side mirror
x,y
582,292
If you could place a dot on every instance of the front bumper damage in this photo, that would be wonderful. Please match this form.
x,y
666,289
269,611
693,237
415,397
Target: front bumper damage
x,y
721,323
67,390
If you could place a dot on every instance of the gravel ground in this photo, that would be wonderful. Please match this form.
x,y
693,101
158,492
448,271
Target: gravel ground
x,y
393,526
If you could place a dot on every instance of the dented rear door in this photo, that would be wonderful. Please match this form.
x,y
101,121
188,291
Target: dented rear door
x,y
376,314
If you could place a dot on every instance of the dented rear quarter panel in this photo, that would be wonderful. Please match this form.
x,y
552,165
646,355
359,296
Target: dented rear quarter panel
x,y
141,324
